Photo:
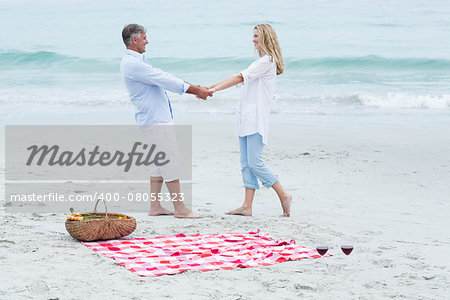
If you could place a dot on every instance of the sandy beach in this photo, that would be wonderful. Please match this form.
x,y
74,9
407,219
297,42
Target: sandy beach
x,y
380,187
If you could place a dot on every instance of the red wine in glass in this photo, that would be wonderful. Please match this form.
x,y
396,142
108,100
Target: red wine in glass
x,y
322,250
347,249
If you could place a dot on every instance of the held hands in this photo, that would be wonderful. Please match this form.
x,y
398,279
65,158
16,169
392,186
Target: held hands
x,y
203,92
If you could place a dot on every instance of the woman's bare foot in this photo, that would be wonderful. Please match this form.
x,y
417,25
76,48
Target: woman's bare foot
x,y
241,211
286,204
186,213
160,211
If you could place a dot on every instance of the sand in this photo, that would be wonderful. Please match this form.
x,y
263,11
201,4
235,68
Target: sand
x,y
380,187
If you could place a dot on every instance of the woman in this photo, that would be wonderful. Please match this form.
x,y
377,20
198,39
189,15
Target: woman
x,y
252,120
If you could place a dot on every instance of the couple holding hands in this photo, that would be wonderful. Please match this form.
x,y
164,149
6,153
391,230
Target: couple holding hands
x,y
147,87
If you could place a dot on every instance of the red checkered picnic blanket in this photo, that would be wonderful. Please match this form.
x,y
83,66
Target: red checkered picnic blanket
x,y
165,255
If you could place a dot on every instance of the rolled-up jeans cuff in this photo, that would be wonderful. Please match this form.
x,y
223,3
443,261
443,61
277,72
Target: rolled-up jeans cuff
x,y
268,185
247,186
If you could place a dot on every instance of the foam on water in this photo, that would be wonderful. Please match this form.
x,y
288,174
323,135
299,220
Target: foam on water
x,y
56,100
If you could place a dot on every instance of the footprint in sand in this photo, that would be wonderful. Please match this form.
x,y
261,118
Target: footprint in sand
x,y
6,243
300,287
385,263
373,284
411,256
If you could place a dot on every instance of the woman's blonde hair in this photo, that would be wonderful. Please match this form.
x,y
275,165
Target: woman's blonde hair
x,y
269,43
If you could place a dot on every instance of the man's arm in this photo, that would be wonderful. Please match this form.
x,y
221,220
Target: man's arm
x,y
153,76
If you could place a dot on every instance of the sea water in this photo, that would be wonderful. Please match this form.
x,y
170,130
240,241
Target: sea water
x,y
351,58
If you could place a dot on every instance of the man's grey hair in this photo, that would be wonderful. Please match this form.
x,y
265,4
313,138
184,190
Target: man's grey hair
x,y
131,30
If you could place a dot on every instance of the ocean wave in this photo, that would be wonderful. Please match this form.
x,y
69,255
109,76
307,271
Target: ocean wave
x,y
405,100
322,104
18,60
297,104
10,60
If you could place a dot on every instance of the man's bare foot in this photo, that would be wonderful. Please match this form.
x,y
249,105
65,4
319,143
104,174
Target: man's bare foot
x,y
286,204
241,211
187,214
161,211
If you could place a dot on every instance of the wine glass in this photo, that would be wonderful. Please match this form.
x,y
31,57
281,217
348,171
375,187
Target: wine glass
x,y
322,250
347,249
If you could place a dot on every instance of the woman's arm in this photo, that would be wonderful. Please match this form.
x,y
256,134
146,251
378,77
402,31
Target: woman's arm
x,y
226,83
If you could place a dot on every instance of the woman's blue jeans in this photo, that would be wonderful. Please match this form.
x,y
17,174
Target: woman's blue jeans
x,y
252,165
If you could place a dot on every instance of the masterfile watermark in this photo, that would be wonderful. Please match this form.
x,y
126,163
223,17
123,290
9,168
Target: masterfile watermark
x,y
52,168
84,157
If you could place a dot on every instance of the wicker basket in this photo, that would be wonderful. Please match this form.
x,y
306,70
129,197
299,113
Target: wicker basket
x,y
106,228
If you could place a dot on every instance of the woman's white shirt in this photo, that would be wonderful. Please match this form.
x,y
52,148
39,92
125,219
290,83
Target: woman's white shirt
x,y
253,111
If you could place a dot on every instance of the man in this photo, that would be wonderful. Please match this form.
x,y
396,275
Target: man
x,y
147,87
